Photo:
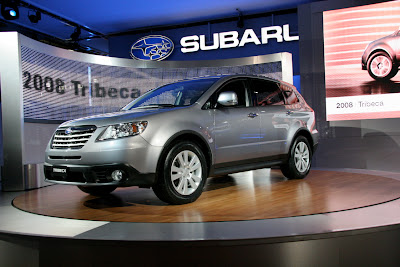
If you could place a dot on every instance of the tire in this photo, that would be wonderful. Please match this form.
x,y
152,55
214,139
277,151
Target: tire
x,y
380,66
182,175
99,190
299,162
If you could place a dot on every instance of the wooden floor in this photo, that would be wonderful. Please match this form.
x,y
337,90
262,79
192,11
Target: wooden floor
x,y
260,194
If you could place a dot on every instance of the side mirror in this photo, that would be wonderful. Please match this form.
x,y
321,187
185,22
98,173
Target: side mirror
x,y
228,99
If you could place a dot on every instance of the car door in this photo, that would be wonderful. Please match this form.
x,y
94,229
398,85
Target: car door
x,y
236,128
274,119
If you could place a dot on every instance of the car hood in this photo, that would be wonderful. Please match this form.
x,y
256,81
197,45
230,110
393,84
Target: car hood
x,y
379,40
118,117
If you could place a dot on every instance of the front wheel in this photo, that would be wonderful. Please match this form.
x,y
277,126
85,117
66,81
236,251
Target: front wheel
x,y
99,190
380,66
299,162
183,175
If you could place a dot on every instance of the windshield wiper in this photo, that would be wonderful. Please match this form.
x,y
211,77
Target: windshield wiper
x,y
158,106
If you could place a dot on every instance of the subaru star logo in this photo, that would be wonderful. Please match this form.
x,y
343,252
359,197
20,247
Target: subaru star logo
x,y
152,47
68,131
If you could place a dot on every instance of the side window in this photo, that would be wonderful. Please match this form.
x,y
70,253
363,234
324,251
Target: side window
x,y
290,96
266,93
239,88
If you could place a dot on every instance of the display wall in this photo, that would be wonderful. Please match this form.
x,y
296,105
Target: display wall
x,y
358,44
362,144
45,86
61,89
280,31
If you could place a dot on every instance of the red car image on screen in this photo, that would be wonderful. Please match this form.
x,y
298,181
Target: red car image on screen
x,y
382,57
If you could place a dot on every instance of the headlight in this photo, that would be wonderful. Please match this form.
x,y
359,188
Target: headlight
x,y
122,130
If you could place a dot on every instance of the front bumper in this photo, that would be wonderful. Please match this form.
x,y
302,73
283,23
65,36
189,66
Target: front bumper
x,y
96,175
363,66
131,151
364,59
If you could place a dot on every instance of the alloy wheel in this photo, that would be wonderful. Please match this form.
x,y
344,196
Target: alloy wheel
x,y
302,157
381,66
186,172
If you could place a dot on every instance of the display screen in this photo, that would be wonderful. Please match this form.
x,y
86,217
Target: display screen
x,y
60,89
362,57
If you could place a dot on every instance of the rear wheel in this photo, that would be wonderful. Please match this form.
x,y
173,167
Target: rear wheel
x,y
183,175
99,190
299,162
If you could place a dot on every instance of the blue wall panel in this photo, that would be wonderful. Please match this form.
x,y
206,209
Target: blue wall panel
x,y
120,45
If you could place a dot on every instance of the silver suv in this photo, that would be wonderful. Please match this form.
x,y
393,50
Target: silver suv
x,y
173,137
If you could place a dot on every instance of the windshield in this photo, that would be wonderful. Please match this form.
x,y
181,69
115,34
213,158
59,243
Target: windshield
x,y
172,95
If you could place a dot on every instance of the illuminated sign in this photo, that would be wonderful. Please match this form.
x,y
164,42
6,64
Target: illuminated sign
x,y
360,76
56,88
152,48
231,39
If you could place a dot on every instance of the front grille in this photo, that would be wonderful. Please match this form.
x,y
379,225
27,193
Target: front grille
x,y
72,137
101,176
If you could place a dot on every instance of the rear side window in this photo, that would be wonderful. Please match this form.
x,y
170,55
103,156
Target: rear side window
x,y
290,96
265,93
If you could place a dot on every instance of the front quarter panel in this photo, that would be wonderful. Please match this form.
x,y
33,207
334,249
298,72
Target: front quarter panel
x,y
389,45
165,126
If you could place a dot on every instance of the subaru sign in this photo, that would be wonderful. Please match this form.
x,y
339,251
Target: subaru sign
x,y
152,47
232,39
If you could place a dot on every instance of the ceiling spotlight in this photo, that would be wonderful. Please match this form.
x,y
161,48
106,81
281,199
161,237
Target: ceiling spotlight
x,y
34,16
75,35
240,21
9,10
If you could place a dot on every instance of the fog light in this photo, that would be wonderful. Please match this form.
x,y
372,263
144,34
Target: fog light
x,y
117,175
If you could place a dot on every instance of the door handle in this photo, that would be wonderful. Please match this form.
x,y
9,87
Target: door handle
x,y
289,112
252,115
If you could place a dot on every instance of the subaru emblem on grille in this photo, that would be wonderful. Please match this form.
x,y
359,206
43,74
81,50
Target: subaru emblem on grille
x,y
68,131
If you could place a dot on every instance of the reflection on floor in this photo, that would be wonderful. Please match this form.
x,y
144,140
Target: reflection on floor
x,y
254,195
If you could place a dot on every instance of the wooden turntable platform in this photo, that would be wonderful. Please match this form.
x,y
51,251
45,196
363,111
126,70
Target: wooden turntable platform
x,y
254,195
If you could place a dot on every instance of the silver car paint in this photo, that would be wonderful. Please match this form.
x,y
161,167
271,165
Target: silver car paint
x,y
124,151
229,132
236,135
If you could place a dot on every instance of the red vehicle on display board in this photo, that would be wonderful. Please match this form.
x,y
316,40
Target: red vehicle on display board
x,y
382,57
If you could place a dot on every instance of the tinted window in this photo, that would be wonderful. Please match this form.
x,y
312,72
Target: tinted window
x,y
239,88
290,96
266,93
175,94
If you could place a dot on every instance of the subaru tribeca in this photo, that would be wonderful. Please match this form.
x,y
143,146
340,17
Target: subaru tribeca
x,y
173,137
381,57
